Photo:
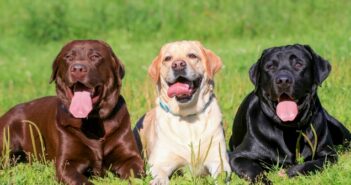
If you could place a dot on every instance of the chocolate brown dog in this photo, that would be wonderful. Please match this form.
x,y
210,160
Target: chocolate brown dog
x,y
86,127
282,122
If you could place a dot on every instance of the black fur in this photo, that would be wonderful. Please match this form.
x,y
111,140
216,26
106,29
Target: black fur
x,y
260,139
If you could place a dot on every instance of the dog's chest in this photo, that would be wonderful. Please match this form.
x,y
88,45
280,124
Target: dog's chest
x,y
96,146
190,130
292,145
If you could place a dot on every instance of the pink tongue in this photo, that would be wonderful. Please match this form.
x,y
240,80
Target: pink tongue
x,y
178,89
81,104
287,110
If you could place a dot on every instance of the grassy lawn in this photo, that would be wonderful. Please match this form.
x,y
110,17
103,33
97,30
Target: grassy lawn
x,y
33,32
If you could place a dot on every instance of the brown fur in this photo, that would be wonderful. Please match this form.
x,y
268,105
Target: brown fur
x,y
92,145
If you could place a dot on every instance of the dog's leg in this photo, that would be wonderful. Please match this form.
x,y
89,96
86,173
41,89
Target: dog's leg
x,y
125,158
162,164
161,171
15,141
310,166
71,172
160,174
131,167
339,133
249,169
136,130
217,161
215,167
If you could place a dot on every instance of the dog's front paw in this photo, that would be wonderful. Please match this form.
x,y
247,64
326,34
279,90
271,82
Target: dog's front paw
x,y
160,181
295,170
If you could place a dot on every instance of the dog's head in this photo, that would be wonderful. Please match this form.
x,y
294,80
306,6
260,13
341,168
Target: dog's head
x,y
183,72
286,79
88,77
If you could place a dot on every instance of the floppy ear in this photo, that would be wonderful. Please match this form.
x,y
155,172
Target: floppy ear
x,y
120,66
213,63
154,69
118,63
321,67
121,70
112,97
55,66
253,73
254,70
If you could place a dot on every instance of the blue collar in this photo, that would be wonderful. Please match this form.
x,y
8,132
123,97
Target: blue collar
x,y
165,107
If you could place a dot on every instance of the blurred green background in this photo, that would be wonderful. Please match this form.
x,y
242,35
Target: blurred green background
x,y
32,33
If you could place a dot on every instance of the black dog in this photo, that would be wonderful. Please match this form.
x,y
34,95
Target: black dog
x,y
282,121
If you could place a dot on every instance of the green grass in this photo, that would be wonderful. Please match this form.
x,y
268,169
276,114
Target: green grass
x,y
33,32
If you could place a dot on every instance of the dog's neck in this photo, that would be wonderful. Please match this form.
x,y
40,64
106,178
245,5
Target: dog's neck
x,y
306,112
186,112
202,101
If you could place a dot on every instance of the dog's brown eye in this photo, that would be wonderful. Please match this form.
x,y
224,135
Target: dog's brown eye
x,y
270,66
295,61
192,55
68,57
95,57
298,65
168,58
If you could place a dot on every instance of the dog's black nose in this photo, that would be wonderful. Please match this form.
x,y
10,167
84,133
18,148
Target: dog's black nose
x,y
178,65
78,70
283,80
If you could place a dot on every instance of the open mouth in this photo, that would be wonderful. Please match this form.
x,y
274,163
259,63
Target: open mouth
x,y
287,108
80,87
82,99
183,89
